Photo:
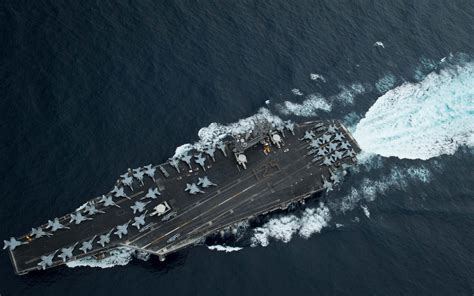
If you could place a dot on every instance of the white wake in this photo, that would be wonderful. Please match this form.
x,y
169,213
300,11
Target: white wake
x,y
422,120
119,256
368,189
215,132
226,249
311,221
315,103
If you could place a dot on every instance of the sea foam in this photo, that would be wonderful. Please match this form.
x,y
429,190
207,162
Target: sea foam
x,y
315,103
119,256
309,107
385,83
311,221
422,120
215,132
226,249
368,189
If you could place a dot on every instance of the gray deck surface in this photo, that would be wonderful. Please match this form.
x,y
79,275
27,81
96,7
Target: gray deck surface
x,y
269,182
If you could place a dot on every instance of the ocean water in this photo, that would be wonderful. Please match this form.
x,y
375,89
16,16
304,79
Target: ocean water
x,y
91,88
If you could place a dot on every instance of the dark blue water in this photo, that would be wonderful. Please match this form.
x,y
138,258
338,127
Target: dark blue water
x,y
91,88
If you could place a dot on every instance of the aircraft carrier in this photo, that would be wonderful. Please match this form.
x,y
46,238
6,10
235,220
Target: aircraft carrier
x,y
163,208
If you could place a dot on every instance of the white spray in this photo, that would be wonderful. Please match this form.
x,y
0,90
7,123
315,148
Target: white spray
x,y
422,120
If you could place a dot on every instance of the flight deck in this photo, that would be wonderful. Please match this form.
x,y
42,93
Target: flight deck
x,y
161,209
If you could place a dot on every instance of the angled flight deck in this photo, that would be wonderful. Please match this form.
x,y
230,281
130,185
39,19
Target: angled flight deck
x,y
161,209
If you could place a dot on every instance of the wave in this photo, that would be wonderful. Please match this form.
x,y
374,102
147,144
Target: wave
x,y
297,92
385,83
422,120
348,93
316,76
215,132
311,221
117,257
315,103
426,66
307,108
369,188
222,248
365,208
379,44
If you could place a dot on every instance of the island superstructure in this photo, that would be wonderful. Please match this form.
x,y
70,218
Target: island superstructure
x,y
160,209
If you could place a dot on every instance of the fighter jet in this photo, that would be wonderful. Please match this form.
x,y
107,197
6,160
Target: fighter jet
x,y
314,144
335,178
193,189
345,145
78,218
90,209
339,137
174,162
55,225
205,182
187,159
122,230
105,238
326,138
139,206
120,192
108,201
139,221
290,126
46,261
350,153
39,232
66,253
327,185
152,193
338,155
327,161
221,147
332,146
139,174
322,151
210,151
332,129
127,180
173,238
308,135
12,243
200,160
150,171
115,190
87,245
